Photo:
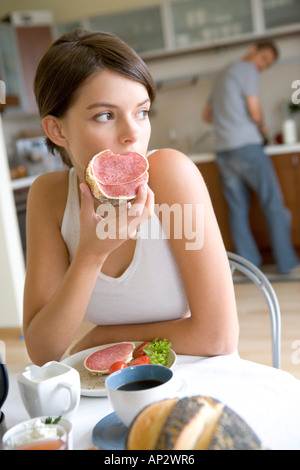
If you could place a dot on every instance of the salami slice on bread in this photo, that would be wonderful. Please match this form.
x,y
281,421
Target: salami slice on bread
x,y
190,423
115,178
100,361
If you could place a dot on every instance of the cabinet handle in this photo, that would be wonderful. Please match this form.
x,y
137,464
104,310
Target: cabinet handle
x,y
295,160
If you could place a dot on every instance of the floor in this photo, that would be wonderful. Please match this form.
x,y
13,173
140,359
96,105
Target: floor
x,y
254,344
255,334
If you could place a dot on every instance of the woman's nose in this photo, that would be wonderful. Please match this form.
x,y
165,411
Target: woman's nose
x,y
129,131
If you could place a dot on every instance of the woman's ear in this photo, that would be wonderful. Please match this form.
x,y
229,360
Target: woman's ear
x,y
53,129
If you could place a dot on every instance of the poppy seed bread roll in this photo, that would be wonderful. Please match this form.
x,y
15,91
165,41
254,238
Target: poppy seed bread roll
x,y
190,423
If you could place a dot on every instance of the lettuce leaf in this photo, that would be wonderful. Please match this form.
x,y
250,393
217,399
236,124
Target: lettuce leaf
x,y
158,351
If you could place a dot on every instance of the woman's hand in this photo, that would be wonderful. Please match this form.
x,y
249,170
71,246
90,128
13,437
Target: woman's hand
x,y
105,229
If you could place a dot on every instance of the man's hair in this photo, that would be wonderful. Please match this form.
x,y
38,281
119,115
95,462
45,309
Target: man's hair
x,y
268,45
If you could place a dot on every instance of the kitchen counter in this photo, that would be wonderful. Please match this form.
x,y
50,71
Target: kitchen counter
x,y
278,149
286,162
196,158
281,149
21,183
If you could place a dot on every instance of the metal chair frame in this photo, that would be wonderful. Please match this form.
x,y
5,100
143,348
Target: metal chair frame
x,y
238,263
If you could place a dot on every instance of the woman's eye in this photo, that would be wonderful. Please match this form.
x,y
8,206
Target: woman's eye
x,y
143,113
103,117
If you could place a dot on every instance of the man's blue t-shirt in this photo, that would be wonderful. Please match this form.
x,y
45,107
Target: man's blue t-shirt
x,y
232,124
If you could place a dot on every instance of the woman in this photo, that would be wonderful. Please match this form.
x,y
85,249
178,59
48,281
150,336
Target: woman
x,y
95,93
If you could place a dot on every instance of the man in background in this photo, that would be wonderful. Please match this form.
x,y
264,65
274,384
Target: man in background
x,y
235,111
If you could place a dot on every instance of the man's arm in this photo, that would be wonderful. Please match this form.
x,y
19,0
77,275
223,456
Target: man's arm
x,y
207,113
255,112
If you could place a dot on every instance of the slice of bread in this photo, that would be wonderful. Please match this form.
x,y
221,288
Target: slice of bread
x,y
190,423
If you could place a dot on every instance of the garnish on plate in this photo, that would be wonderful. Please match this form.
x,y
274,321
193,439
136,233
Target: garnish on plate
x,y
50,420
158,351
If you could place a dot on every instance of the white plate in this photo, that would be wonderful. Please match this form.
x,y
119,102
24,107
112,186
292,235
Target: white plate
x,y
94,385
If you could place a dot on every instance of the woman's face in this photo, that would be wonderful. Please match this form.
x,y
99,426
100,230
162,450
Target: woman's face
x,y
110,112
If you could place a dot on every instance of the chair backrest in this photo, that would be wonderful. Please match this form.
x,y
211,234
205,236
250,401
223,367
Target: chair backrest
x,y
2,350
238,263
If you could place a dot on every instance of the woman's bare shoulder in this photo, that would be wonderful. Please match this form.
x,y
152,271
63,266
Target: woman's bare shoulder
x,y
171,162
166,155
48,181
174,176
49,193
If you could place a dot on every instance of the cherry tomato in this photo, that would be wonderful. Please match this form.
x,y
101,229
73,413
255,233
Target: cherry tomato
x,y
139,351
140,360
117,366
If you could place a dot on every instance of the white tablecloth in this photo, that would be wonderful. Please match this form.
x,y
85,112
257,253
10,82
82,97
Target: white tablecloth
x,y
268,399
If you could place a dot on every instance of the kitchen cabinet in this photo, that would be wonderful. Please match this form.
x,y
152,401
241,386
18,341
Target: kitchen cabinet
x,y
142,28
287,167
32,43
174,27
196,22
211,176
278,13
9,62
63,28
22,46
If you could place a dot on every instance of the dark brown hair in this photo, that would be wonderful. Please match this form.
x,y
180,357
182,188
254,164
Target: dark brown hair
x,y
71,60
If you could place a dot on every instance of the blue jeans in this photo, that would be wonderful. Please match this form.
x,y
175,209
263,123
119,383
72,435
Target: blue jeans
x,y
249,167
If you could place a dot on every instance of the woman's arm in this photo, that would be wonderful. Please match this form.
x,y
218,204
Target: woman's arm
x,y
212,328
56,292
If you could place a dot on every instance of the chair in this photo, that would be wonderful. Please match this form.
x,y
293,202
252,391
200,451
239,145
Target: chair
x,y
238,263
2,350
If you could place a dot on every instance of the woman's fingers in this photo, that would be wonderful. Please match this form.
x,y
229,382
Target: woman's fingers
x,y
87,201
143,203
116,222
141,210
137,206
87,212
150,202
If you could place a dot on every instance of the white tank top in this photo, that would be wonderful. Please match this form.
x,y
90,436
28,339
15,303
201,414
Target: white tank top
x,y
151,288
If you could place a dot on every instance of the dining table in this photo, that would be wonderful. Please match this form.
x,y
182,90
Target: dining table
x,y
268,399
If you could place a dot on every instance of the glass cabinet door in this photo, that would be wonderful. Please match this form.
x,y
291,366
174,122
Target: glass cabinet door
x,y
63,28
9,59
197,21
281,12
142,29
